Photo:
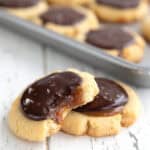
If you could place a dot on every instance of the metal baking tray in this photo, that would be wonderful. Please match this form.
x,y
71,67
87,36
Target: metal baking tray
x,y
136,74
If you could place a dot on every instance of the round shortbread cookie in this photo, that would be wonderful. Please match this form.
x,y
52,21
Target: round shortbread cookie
x,y
81,123
118,13
121,42
27,12
24,122
68,21
145,28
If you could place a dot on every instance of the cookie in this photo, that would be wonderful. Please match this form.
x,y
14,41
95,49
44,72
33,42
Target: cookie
x,y
117,42
68,21
25,9
121,11
132,109
44,104
145,28
70,3
115,106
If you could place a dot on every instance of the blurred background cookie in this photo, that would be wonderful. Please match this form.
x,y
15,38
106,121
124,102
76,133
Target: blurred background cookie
x,y
146,28
24,8
71,2
69,21
116,41
121,11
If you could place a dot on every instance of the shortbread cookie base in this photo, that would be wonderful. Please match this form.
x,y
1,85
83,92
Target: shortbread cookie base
x,y
32,130
132,109
89,22
70,3
146,28
30,12
29,129
81,124
133,52
112,14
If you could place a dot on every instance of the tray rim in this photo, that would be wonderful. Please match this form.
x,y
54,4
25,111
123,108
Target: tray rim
x,y
31,29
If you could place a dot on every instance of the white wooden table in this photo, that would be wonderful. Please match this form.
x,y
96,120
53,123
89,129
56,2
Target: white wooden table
x,y
21,62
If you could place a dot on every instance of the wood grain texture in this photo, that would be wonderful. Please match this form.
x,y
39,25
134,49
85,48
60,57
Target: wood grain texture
x,y
20,63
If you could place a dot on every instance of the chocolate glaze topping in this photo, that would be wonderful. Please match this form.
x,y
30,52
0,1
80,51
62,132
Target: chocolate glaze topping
x,y
62,16
18,3
109,38
111,97
47,97
120,3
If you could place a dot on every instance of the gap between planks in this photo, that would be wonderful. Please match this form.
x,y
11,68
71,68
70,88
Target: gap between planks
x,y
45,71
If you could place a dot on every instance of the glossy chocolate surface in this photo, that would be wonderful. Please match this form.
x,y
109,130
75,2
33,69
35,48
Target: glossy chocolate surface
x,y
49,96
109,38
62,16
111,97
120,3
18,3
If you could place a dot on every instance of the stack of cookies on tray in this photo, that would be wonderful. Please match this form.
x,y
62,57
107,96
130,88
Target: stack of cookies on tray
x,y
82,21
75,102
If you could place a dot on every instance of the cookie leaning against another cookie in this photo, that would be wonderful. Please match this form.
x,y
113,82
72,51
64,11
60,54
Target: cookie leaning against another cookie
x,y
40,110
116,41
121,11
146,28
68,21
116,105
26,9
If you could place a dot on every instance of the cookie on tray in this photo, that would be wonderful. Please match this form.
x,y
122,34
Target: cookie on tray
x,y
115,106
146,28
25,9
68,21
41,108
71,2
116,41
121,11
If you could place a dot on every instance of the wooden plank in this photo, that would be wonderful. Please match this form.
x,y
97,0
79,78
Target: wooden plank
x,y
61,141
133,138
20,63
57,61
